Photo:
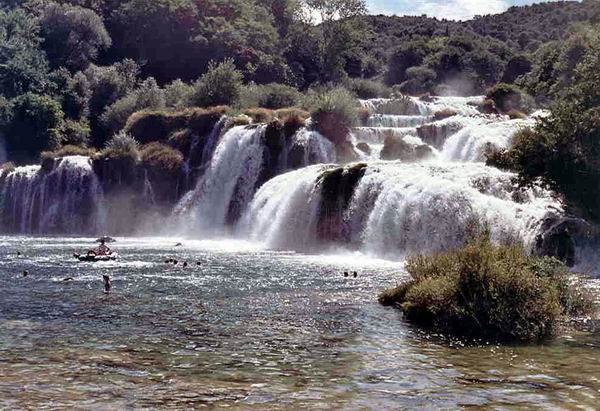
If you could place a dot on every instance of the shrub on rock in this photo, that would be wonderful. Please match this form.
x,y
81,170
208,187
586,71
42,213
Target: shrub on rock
x,y
334,112
489,291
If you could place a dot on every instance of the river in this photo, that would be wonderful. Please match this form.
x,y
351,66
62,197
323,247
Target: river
x,y
249,328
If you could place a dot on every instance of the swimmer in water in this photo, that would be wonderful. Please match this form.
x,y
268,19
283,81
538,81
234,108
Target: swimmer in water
x,y
107,284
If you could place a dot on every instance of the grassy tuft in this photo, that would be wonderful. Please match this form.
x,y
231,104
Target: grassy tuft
x,y
121,146
490,291
69,150
8,167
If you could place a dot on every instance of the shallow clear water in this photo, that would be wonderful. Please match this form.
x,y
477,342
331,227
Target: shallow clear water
x,y
248,329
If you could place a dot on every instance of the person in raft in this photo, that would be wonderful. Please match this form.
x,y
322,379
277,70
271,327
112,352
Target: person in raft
x,y
102,249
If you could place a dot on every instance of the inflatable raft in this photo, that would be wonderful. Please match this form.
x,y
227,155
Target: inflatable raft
x,y
92,258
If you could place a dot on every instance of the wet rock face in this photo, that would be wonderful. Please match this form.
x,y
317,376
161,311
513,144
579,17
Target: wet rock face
x,y
436,134
396,148
337,188
558,238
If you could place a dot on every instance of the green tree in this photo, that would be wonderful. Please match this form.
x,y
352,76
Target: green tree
x,y
23,65
220,85
35,126
73,36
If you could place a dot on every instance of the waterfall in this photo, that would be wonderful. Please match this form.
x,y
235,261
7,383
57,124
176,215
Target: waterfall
x,y
65,199
398,209
231,177
469,144
283,213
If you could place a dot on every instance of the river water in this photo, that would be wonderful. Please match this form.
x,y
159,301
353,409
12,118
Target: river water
x,y
249,329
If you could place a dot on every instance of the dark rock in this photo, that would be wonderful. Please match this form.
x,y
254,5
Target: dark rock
x,y
364,147
558,238
337,187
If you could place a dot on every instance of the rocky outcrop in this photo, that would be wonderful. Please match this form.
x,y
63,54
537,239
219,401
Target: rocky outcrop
x,y
337,188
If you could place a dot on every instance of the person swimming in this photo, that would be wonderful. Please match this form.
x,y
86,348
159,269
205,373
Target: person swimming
x,y
107,284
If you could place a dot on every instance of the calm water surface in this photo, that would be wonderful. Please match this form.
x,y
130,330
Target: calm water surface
x,y
249,329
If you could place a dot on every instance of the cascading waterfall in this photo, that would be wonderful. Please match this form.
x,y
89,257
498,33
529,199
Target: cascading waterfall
x,y
234,171
245,184
398,209
65,199
469,144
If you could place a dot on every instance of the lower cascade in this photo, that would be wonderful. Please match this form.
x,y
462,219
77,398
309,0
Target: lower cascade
x,y
391,208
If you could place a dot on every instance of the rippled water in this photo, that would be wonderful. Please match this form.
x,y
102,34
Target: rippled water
x,y
248,329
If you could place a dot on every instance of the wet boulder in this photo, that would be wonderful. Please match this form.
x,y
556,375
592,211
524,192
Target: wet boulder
x,y
397,148
436,134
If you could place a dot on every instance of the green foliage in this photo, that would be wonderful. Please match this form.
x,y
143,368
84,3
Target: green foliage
x,y
563,149
73,36
509,98
419,80
178,94
367,89
489,291
554,65
35,126
271,96
23,65
76,133
220,85
333,113
147,96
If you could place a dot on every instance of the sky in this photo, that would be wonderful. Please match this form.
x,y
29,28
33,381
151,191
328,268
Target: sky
x,y
449,9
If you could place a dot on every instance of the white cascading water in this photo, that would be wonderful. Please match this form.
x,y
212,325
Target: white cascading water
x,y
236,162
233,175
469,144
398,208
66,199
283,213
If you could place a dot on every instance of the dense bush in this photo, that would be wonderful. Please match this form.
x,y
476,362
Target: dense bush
x,y
35,126
73,36
419,80
489,291
333,113
147,96
220,85
271,96
367,89
121,146
161,158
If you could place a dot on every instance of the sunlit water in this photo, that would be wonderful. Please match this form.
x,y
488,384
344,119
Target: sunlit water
x,y
248,329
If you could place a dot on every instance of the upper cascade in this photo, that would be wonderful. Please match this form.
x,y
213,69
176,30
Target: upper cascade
x,y
63,199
